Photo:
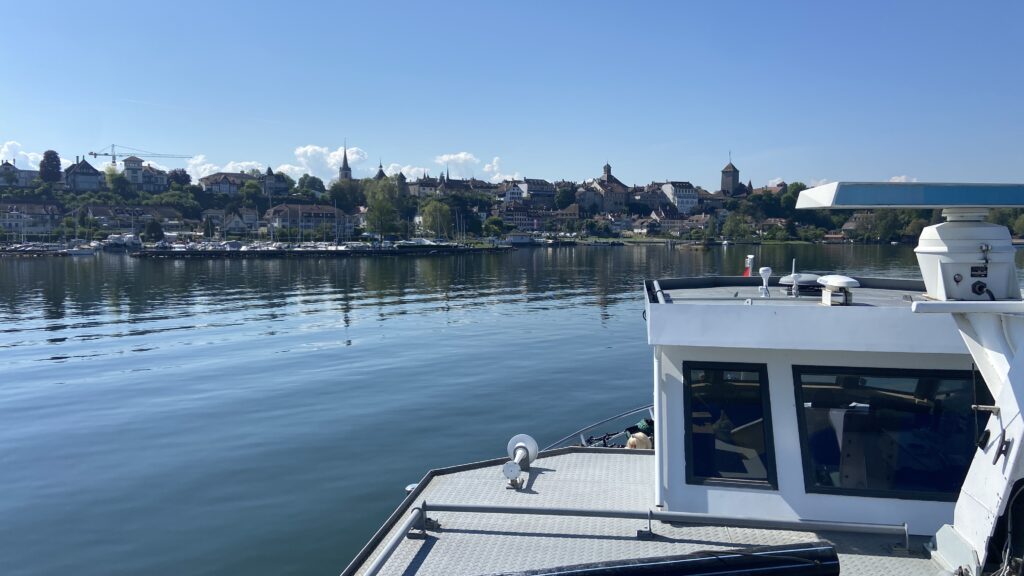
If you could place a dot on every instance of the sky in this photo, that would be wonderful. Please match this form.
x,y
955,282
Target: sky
x,y
808,91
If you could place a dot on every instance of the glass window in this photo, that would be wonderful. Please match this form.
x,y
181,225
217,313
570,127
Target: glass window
x,y
728,434
886,432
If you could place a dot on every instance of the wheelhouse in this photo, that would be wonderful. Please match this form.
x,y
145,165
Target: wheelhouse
x,y
782,407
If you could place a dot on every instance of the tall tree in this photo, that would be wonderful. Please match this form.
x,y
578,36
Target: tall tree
x,y
251,194
119,184
180,177
153,232
49,167
381,210
287,180
494,226
564,197
437,218
311,184
347,195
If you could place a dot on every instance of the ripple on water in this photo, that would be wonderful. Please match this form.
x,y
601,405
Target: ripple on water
x,y
208,417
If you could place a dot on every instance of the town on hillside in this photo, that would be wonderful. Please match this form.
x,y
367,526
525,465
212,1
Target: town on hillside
x,y
132,196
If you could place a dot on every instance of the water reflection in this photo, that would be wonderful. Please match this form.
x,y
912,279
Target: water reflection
x,y
118,287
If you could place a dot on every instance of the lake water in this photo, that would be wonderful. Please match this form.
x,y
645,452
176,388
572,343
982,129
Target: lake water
x,y
263,417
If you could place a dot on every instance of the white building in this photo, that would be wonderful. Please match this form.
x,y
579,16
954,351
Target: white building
x,y
682,194
144,178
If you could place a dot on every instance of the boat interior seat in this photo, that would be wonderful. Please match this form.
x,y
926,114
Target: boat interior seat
x,y
869,457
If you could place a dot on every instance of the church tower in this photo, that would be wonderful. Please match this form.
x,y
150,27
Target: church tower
x,y
607,174
344,173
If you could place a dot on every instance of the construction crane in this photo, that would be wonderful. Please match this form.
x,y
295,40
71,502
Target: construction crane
x,y
113,153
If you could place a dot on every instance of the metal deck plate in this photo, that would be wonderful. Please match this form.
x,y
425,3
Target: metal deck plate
x,y
610,479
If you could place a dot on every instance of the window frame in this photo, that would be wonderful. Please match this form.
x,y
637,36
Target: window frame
x,y
772,482
808,467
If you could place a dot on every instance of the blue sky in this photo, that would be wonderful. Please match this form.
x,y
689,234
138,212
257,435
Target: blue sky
x,y
810,91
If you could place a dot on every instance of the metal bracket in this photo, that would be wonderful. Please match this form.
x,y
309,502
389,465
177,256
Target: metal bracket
x,y
983,408
1002,446
419,529
646,534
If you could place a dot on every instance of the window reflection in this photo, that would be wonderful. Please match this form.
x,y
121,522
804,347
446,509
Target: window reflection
x,y
899,433
729,436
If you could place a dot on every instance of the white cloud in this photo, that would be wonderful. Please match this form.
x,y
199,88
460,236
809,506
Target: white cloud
x,y
411,172
319,161
459,158
243,166
323,162
902,178
198,166
9,149
775,181
13,150
292,170
493,168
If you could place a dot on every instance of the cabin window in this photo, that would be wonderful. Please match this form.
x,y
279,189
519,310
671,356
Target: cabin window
x,y
887,432
728,430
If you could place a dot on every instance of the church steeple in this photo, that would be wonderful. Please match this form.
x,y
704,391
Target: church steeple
x,y
380,175
344,173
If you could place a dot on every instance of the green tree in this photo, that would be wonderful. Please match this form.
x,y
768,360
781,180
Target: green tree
x,y
49,167
208,227
119,185
178,199
313,184
251,194
347,196
886,226
795,188
1018,225
381,207
288,180
564,197
735,226
437,218
915,227
494,226
153,232
180,177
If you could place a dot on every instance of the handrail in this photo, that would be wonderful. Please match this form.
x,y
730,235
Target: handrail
x,y
392,544
596,424
685,517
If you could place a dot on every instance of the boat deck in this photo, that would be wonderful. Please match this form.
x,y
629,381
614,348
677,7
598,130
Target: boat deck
x,y
737,291
592,478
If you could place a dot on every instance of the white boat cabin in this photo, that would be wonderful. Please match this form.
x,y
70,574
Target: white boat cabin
x,y
871,401
780,407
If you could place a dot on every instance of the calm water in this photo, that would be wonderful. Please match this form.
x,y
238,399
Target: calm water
x,y
263,417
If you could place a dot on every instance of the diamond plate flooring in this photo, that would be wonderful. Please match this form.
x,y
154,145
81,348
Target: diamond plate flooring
x,y
610,480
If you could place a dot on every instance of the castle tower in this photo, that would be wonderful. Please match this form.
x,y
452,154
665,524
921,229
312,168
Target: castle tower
x,y
607,174
730,178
